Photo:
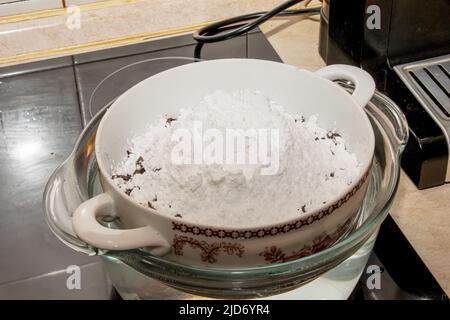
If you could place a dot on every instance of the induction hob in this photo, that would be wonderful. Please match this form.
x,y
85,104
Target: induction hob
x,y
43,108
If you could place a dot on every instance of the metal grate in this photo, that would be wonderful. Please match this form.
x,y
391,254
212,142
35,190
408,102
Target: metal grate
x,y
435,83
429,81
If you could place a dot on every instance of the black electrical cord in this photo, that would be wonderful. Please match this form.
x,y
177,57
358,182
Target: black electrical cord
x,y
230,28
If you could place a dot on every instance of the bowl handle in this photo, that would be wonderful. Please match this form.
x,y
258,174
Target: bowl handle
x,y
87,227
364,83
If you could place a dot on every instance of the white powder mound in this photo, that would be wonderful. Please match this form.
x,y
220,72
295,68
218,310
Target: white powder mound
x,y
314,164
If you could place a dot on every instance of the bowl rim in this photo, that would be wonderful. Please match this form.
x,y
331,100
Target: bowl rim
x,y
336,200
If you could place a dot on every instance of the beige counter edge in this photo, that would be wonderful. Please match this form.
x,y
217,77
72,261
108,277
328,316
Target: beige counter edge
x,y
53,33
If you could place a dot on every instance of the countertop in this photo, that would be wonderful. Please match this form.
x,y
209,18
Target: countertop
x,y
422,215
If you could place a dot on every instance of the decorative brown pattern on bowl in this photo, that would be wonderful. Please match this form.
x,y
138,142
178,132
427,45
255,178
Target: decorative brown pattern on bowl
x,y
274,254
271,231
209,251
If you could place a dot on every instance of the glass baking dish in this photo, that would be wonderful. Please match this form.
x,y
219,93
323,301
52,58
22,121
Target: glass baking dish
x,y
331,273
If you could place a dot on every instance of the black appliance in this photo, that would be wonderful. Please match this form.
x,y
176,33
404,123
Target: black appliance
x,y
405,46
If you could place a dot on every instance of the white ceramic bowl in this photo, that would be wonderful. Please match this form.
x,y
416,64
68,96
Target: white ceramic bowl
x,y
300,92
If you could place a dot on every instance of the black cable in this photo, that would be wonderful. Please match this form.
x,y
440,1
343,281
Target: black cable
x,y
230,28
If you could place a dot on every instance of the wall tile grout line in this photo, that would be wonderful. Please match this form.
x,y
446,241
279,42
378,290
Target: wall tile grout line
x,y
78,93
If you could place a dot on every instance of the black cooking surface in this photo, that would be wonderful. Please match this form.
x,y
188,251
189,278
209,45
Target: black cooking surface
x,y
43,107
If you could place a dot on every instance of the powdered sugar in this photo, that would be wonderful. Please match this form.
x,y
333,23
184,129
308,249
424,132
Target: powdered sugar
x,y
308,165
